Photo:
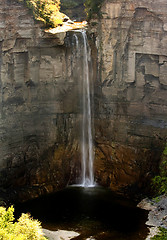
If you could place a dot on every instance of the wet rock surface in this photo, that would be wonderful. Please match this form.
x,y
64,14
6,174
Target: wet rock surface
x,y
60,234
157,216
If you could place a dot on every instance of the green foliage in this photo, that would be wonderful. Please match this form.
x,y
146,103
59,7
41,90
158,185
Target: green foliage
x,y
25,228
46,11
162,235
6,217
159,182
156,199
92,7
70,3
165,150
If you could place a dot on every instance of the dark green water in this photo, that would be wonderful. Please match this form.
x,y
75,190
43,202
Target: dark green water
x,y
93,212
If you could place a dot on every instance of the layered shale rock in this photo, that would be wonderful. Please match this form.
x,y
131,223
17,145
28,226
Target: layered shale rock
x,y
131,103
40,99
38,106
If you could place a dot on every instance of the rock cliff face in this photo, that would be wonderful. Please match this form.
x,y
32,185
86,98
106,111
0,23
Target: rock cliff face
x,y
40,111
131,119
39,106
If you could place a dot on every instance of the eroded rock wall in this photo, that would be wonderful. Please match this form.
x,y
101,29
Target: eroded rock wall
x,y
39,106
40,97
131,119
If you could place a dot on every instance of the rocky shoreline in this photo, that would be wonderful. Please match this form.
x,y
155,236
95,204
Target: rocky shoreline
x,y
157,216
60,234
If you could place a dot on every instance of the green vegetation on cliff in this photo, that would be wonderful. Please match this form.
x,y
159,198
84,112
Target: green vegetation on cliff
x,y
165,151
74,9
93,7
160,181
24,229
46,11
162,235
71,3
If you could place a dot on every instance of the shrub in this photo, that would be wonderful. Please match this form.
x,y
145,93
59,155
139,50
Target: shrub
x,y
71,3
162,235
165,150
92,7
159,182
46,11
25,228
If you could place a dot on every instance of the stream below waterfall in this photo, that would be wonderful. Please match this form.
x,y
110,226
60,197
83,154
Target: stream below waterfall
x,y
95,212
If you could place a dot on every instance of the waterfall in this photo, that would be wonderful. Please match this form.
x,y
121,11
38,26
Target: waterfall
x,y
87,144
87,171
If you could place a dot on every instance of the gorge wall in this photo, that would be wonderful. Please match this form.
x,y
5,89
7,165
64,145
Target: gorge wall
x,y
40,109
131,114
39,106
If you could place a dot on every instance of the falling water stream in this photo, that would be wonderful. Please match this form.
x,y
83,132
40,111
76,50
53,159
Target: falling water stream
x,y
83,56
87,145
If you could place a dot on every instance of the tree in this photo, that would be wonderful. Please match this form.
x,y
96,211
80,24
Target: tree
x,y
93,7
25,228
46,11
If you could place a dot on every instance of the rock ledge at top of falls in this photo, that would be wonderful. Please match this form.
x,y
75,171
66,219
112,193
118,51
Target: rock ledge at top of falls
x,y
60,31
157,216
67,26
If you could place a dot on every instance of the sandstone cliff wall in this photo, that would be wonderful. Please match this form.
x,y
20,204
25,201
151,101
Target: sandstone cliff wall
x,y
39,110
131,119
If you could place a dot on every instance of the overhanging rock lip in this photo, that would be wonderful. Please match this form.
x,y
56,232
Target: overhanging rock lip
x,y
59,33
59,37
66,27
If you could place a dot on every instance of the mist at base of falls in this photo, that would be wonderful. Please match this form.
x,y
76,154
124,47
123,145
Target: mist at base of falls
x,y
93,211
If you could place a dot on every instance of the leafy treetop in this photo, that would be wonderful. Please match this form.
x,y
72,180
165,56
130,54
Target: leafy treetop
x,y
46,11
25,228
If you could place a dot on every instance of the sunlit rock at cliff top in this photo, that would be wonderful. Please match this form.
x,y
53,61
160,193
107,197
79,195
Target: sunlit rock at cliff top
x,y
67,26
